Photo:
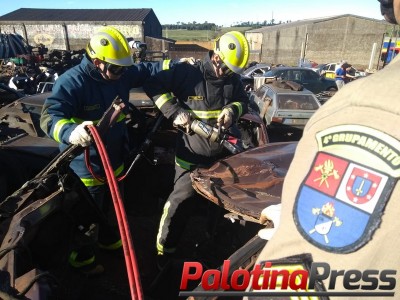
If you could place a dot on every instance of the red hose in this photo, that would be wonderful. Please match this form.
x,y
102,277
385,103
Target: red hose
x,y
89,167
129,252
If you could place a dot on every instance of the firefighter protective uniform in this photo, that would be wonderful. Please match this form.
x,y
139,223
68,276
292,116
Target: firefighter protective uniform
x,y
196,90
83,94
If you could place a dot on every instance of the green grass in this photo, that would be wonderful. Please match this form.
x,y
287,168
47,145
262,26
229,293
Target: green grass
x,y
199,35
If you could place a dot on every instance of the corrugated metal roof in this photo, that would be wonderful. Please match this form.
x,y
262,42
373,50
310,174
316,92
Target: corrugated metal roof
x,y
41,14
309,21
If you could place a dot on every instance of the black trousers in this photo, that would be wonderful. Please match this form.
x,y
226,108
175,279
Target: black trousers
x,y
177,210
107,227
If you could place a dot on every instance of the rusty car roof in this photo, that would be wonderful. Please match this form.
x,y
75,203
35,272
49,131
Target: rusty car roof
x,y
246,183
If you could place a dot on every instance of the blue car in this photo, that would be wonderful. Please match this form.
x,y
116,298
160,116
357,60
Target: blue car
x,y
306,77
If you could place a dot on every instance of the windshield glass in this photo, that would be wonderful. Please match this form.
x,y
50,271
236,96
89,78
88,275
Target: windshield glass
x,y
293,101
270,73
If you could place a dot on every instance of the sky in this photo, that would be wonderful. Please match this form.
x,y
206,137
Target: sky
x,y
220,12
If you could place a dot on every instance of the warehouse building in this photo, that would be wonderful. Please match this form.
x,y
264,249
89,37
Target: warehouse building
x,y
355,39
70,29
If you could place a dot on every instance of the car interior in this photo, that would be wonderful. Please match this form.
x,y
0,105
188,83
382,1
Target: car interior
x,y
298,102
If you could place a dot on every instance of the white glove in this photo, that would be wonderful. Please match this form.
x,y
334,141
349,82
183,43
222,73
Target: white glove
x,y
183,119
225,118
272,213
80,136
189,60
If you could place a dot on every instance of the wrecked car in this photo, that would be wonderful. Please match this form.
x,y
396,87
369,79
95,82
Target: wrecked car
x,y
248,182
24,148
285,107
8,95
37,218
247,77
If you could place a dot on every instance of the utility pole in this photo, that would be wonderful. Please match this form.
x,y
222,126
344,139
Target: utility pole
x,y
388,47
395,43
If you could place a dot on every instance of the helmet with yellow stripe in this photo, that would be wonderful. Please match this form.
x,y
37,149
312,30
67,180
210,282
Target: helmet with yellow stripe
x,y
233,48
111,46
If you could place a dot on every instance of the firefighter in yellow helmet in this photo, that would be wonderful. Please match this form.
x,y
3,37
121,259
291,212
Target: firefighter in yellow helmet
x,y
111,48
211,91
79,98
340,199
233,50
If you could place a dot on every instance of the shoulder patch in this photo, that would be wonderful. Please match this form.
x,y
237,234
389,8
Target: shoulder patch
x,y
340,202
91,107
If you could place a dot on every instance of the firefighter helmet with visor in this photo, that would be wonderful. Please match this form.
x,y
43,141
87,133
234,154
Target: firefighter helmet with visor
x,y
110,45
233,48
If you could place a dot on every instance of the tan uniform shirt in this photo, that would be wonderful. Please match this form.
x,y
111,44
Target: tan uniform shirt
x,y
341,197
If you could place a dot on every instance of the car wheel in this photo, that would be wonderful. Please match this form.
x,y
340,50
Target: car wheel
x,y
331,89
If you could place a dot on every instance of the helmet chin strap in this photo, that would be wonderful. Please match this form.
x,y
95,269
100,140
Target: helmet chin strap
x,y
104,73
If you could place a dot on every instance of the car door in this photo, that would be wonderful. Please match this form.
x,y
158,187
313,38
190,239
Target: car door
x,y
283,74
312,81
257,99
270,106
330,70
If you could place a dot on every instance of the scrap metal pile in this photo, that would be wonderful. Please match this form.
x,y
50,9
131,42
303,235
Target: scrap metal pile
x,y
24,67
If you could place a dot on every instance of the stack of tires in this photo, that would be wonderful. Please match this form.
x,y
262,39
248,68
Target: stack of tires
x,y
13,45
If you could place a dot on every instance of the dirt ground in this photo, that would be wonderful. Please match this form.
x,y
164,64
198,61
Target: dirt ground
x,y
209,238
196,245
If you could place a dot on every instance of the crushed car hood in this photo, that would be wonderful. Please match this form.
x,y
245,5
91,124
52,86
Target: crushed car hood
x,y
246,183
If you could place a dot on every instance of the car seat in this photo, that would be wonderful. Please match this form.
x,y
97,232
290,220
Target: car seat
x,y
290,104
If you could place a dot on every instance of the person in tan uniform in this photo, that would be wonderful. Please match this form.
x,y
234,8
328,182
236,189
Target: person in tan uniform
x,y
341,196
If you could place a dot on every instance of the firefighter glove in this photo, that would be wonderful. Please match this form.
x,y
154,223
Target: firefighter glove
x,y
182,119
189,60
270,213
225,118
80,135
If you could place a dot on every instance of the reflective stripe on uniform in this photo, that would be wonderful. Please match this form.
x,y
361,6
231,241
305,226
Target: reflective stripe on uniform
x,y
78,264
183,164
206,114
113,246
121,117
95,181
60,124
165,65
163,99
57,129
160,247
79,121
239,107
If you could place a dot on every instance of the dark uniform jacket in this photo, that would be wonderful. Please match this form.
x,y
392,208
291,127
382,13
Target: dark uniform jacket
x,y
196,89
81,94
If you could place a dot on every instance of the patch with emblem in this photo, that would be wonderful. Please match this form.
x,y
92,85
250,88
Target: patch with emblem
x,y
196,98
91,107
340,202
